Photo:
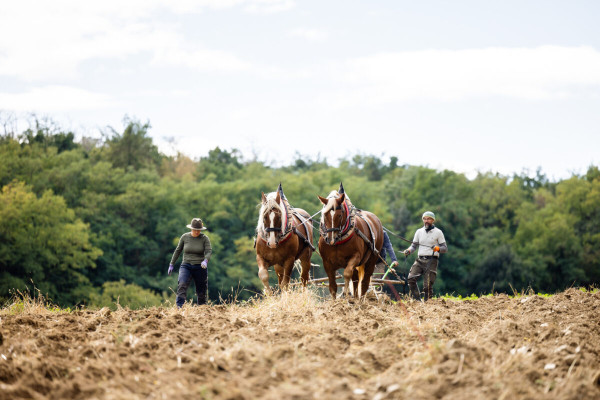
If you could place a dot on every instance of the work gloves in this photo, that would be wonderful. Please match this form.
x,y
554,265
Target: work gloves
x,y
394,264
436,248
171,266
204,264
406,252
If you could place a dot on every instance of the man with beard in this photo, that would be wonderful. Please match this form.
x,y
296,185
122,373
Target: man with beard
x,y
431,243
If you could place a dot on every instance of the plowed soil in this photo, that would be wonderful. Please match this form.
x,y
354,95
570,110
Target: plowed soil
x,y
297,346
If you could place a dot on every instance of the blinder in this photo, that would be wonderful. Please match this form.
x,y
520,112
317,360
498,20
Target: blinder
x,y
339,229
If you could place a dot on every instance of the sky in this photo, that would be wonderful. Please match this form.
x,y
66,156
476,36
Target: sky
x,y
470,86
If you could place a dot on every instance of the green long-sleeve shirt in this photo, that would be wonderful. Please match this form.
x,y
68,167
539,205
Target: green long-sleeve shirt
x,y
195,249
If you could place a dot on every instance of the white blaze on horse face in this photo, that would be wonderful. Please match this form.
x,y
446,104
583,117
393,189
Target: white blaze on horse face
x,y
332,233
272,233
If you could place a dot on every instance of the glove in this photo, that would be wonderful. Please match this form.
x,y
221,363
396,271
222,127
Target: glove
x,y
170,268
394,264
436,248
406,252
204,264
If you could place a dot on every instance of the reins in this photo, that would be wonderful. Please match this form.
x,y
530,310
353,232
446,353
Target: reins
x,y
317,226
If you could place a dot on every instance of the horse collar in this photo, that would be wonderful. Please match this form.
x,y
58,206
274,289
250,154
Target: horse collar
x,y
347,231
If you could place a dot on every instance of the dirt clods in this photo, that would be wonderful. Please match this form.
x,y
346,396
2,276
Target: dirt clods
x,y
298,346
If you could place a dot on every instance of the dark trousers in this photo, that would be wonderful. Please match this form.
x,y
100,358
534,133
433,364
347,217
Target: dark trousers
x,y
427,267
188,272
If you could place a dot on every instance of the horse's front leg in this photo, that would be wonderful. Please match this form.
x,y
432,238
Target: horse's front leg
x,y
330,270
288,265
279,271
263,273
350,275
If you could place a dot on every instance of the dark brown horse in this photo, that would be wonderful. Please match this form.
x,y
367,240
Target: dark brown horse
x,y
284,234
350,239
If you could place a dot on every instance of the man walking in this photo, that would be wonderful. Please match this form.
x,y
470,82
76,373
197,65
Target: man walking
x,y
431,243
380,267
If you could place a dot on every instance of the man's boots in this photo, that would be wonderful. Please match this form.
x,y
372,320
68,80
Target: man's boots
x,y
414,291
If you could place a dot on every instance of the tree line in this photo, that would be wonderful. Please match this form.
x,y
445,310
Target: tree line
x,y
96,220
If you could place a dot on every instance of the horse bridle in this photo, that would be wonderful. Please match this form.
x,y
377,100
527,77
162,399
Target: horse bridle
x,y
269,230
281,236
338,229
335,229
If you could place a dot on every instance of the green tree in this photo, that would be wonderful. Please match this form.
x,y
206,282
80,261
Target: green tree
x,y
133,148
42,243
220,165
546,242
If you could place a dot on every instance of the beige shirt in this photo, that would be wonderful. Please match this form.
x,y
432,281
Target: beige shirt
x,y
426,240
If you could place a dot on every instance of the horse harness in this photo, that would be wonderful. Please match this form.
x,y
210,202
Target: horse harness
x,y
290,227
349,228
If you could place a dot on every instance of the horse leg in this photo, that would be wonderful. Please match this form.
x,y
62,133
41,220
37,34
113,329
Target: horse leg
x,y
279,271
263,274
361,276
305,262
330,270
348,275
365,280
354,286
288,265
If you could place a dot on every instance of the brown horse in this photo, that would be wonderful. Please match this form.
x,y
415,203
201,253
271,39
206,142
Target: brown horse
x,y
350,239
284,235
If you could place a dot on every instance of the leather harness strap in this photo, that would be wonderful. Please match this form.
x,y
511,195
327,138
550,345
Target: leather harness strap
x,y
302,222
369,243
290,227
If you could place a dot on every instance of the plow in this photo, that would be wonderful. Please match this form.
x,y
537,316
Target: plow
x,y
378,280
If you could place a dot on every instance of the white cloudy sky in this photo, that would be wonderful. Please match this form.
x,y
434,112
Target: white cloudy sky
x,y
470,86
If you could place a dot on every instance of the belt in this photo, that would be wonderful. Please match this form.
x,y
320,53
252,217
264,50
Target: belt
x,y
428,257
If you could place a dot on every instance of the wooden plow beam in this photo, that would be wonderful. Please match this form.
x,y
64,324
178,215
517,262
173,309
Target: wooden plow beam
x,y
374,281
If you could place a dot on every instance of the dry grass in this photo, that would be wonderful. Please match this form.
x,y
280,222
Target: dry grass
x,y
24,302
297,344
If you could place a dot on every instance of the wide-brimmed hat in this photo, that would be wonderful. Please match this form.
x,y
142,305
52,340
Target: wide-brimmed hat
x,y
196,224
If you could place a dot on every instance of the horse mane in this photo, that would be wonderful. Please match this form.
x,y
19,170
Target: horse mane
x,y
334,194
270,204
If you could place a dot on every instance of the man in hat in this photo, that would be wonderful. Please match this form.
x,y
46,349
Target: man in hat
x,y
431,243
196,250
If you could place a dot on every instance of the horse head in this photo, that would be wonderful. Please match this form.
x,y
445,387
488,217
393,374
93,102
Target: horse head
x,y
271,219
334,215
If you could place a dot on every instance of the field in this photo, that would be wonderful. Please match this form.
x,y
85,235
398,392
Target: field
x,y
296,345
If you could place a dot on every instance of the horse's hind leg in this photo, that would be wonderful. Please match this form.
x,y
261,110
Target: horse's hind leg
x,y
348,277
355,282
366,279
305,262
361,278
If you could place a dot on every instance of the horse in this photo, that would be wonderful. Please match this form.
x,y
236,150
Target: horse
x,y
350,239
283,235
